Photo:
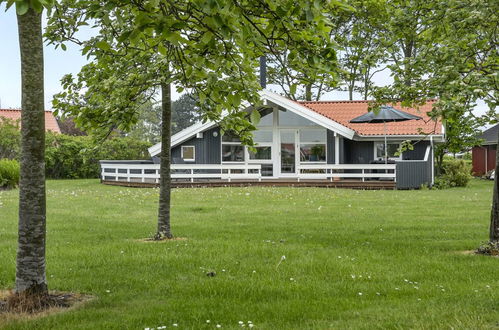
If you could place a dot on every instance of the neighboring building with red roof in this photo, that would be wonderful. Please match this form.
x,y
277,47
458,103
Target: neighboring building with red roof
x,y
15,114
304,140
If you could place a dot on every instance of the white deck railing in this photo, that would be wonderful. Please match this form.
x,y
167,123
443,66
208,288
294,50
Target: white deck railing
x,y
359,171
149,173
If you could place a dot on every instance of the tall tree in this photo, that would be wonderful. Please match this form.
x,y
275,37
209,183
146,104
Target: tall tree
x,y
30,267
457,62
208,47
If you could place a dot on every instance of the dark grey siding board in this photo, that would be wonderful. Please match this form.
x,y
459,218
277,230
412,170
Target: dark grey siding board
x,y
413,174
419,151
330,147
207,149
359,152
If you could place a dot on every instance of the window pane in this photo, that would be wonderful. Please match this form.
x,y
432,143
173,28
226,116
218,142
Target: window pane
x,y
287,118
313,135
262,136
232,153
188,152
267,170
392,149
261,153
266,118
313,152
230,137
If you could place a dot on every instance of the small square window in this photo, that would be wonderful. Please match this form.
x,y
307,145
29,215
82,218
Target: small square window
x,y
188,153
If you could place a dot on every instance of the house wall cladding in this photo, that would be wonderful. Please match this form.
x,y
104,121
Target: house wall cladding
x,y
358,152
418,153
413,174
207,149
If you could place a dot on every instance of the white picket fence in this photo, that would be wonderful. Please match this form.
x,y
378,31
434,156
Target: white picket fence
x,y
149,173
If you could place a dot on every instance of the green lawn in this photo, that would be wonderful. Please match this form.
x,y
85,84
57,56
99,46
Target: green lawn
x,y
353,259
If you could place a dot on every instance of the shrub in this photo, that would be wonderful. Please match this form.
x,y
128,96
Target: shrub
x,y
10,139
9,173
77,157
456,173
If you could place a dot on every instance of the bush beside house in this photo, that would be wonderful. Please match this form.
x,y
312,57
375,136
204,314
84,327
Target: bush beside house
x,y
9,173
456,173
77,157
66,157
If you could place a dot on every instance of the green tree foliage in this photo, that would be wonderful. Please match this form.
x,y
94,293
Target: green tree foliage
x,y
68,126
185,112
148,126
10,139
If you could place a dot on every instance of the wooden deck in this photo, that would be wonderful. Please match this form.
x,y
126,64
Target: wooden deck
x,y
348,184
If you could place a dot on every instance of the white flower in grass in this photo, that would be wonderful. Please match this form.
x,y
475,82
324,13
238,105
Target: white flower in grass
x,y
251,325
175,324
208,321
360,293
240,322
108,291
219,326
353,276
378,294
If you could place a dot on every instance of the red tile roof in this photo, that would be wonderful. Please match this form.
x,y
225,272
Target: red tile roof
x,y
344,111
50,121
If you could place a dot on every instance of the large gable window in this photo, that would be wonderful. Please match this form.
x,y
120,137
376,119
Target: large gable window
x,y
188,153
290,119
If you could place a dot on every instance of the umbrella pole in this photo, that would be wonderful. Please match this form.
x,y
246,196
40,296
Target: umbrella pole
x,y
386,145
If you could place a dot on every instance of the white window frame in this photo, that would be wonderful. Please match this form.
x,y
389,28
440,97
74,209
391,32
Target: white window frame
x,y
388,143
316,143
262,144
232,143
193,154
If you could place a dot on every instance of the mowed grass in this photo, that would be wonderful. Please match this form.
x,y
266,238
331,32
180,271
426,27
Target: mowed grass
x,y
353,259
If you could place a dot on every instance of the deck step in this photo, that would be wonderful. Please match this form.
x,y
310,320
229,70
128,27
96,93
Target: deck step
x,y
349,184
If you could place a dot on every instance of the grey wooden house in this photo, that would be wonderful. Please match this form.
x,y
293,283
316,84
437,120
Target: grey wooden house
x,y
297,142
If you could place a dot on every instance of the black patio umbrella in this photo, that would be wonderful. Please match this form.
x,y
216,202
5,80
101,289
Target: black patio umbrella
x,y
385,114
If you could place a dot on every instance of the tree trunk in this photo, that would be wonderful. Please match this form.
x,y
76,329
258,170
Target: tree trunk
x,y
30,270
494,214
308,92
165,178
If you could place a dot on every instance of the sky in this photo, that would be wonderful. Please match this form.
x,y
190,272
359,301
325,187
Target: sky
x,y
59,62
